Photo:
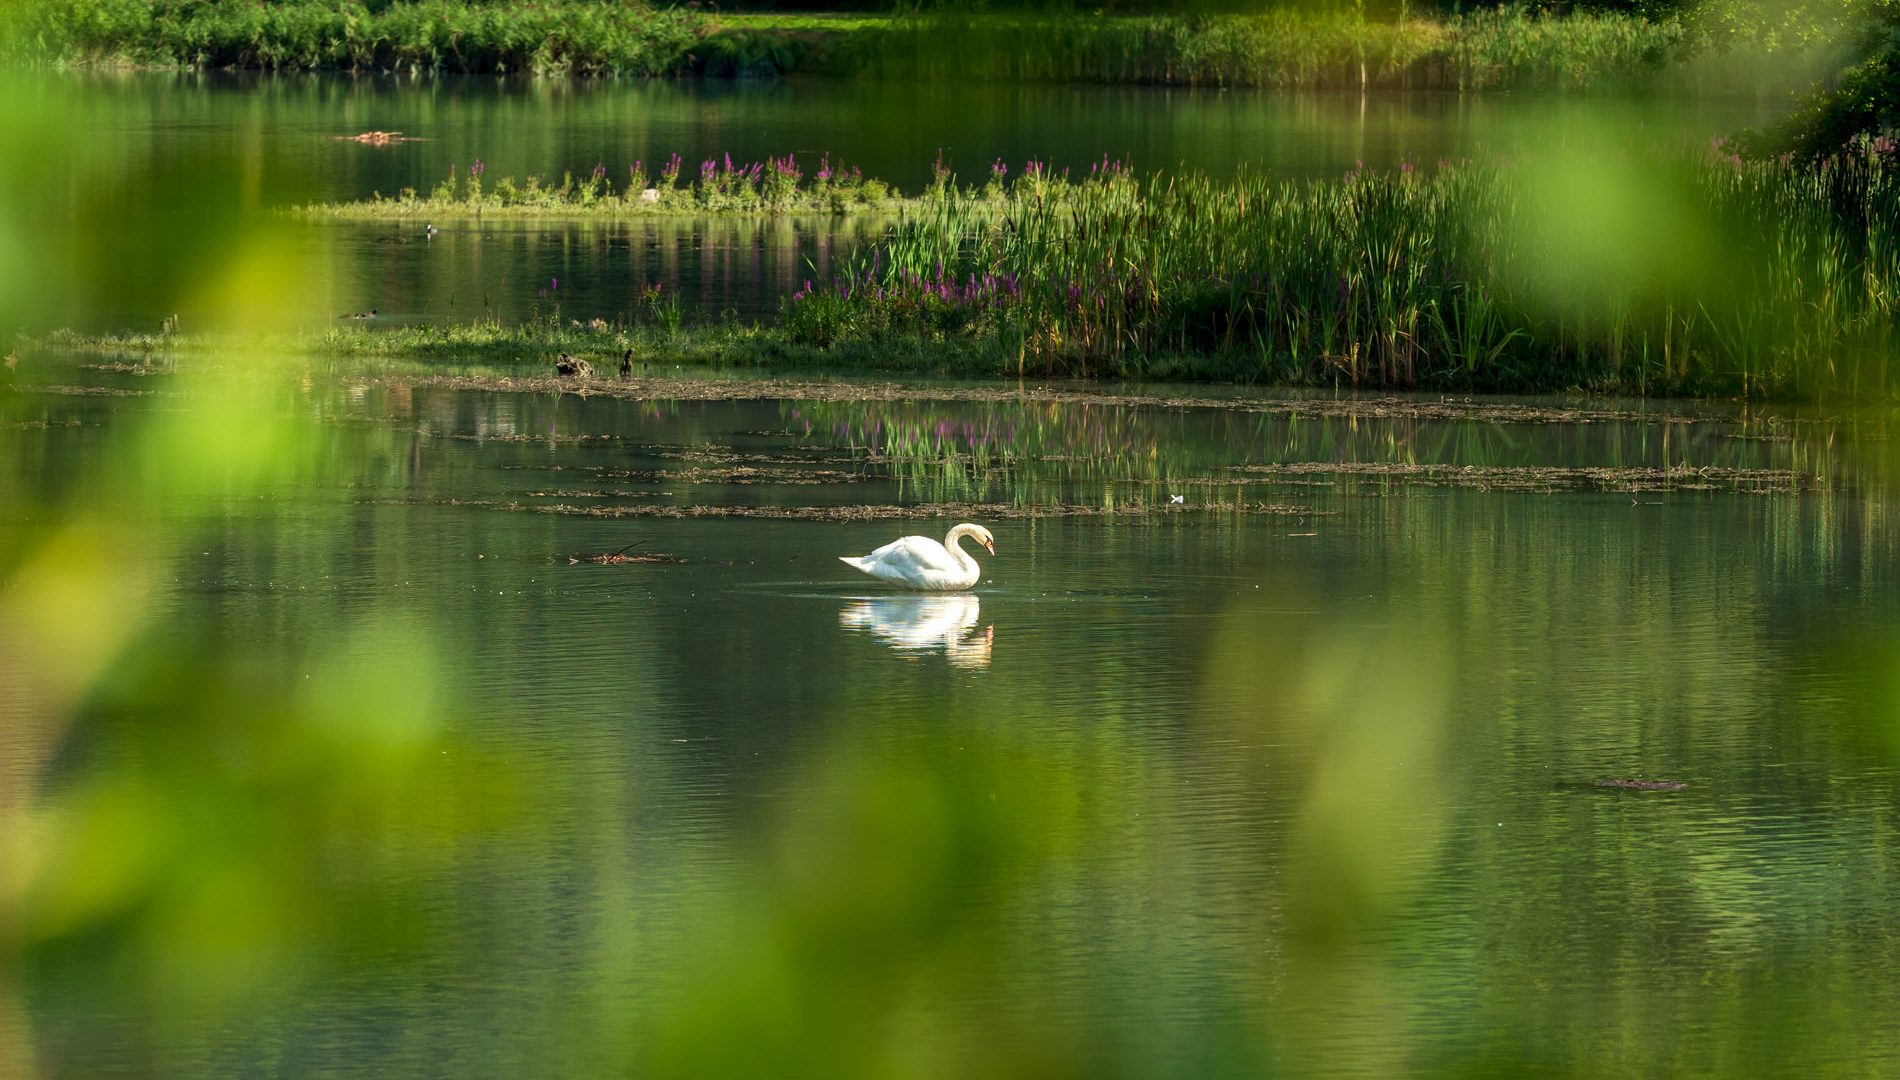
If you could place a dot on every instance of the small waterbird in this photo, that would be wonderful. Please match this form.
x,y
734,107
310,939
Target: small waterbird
x,y
573,367
1177,500
918,562
370,314
430,232
626,365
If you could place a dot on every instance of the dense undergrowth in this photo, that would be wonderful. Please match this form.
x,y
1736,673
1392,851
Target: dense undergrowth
x,y
1496,48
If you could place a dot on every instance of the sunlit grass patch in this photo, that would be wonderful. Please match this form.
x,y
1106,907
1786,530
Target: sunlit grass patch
x,y
1693,273
674,187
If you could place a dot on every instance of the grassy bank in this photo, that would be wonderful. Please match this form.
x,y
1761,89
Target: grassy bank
x,y
1498,49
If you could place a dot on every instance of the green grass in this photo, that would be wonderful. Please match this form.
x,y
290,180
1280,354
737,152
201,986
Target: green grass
x,y
1699,275
669,188
1495,49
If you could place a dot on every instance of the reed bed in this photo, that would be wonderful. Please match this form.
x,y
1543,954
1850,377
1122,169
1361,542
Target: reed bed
x,y
1767,278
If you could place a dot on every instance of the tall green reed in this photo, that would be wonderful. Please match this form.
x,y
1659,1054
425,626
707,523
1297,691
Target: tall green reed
x,y
1769,277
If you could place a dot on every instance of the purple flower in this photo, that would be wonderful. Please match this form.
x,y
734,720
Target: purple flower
x,y
554,284
477,169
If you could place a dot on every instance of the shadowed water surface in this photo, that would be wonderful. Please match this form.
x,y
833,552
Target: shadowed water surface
x,y
1298,771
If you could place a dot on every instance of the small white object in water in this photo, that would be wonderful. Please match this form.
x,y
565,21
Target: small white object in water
x,y
1177,500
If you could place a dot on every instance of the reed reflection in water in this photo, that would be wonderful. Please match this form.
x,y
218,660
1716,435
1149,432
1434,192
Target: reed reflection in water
x,y
916,626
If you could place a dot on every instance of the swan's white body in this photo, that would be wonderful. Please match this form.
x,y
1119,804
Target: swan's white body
x,y
918,562
913,625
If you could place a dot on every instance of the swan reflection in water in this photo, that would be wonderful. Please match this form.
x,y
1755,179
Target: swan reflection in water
x,y
925,624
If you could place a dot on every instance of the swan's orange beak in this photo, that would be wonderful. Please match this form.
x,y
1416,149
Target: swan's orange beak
x,y
989,547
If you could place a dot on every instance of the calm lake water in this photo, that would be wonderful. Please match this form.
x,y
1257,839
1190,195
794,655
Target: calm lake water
x,y
209,152
1295,774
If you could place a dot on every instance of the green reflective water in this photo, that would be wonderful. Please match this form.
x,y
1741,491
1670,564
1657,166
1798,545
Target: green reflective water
x,y
1297,774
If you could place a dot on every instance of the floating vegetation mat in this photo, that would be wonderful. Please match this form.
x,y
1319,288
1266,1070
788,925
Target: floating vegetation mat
x,y
704,389
993,511
619,558
744,474
83,391
1537,478
880,512
1620,784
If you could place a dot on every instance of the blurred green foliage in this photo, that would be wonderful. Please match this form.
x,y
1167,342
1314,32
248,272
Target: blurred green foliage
x,y
225,838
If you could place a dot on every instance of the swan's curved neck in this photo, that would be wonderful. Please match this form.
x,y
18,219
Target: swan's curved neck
x,y
954,543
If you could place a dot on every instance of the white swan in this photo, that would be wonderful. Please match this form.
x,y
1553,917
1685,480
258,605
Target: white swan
x,y
912,625
918,562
